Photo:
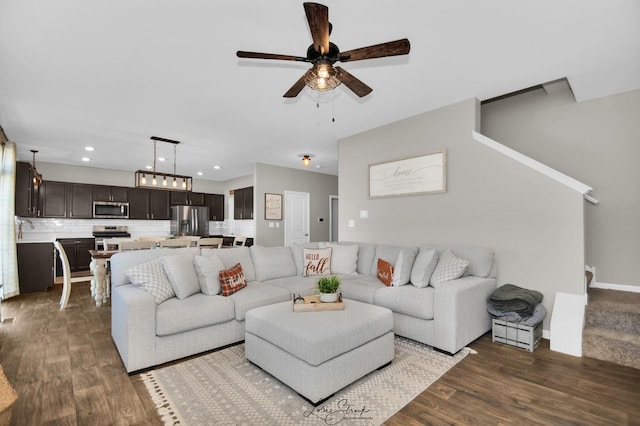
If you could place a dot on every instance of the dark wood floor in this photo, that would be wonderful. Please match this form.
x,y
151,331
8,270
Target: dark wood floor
x,y
66,370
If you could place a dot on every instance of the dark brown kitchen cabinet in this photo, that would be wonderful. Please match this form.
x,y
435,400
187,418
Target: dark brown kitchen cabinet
x,y
53,199
138,203
158,204
110,193
243,203
80,201
27,192
196,199
77,250
186,198
215,202
35,266
148,204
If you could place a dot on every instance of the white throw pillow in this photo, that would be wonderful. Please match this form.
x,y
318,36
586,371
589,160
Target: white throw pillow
x,y
208,269
403,266
344,258
151,278
449,268
316,261
182,275
423,267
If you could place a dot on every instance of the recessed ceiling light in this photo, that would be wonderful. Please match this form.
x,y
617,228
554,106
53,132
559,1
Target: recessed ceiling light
x,y
85,159
161,159
200,173
318,166
88,148
148,167
216,167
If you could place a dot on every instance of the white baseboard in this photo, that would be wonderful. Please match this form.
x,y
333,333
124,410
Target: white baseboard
x,y
619,287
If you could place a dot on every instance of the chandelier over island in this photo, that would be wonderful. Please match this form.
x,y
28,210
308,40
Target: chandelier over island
x,y
157,180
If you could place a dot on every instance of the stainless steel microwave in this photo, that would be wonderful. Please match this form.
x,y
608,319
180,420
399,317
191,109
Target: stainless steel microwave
x,y
110,210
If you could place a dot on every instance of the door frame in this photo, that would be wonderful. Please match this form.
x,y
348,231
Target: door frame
x,y
332,199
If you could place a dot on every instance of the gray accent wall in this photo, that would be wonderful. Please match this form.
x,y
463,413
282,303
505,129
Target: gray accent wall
x,y
277,180
534,224
596,142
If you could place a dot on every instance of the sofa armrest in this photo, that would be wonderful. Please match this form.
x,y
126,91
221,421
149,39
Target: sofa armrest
x,y
460,312
133,326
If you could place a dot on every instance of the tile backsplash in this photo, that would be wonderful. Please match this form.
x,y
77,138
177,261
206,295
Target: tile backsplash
x,y
48,229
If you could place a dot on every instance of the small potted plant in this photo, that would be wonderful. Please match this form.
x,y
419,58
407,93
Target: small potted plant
x,y
328,287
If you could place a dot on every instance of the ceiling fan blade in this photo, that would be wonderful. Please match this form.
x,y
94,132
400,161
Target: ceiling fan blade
x,y
295,89
391,48
318,18
356,86
257,55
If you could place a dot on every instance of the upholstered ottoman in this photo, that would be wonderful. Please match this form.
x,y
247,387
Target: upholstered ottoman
x,y
319,353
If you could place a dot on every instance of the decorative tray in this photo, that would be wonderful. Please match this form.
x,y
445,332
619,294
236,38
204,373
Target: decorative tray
x,y
313,304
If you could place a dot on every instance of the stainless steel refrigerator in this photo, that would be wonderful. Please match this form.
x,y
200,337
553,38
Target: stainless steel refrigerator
x,y
190,220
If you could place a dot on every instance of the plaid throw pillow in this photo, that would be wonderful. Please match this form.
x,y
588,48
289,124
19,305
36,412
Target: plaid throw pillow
x,y
232,280
450,267
385,272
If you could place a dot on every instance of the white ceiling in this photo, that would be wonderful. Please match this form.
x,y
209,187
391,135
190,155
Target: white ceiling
x,y
110,74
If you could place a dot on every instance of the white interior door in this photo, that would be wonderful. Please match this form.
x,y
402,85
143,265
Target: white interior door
x,y
296,217
333,218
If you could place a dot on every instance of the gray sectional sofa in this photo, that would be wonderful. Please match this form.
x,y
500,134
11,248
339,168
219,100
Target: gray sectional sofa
x,y
149,331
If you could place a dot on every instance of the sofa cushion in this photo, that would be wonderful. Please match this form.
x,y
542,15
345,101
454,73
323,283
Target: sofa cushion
x,y
344,258
150,276
361,289
231,256
257,294
208,270
450,267
182,274
272,262
298,257
317,261
407,300
481,259
232,280
366,255
304,286
176,316
423,267
385,272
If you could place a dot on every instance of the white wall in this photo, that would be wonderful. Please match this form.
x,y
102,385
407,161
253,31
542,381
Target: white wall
x,y
535,224
595,142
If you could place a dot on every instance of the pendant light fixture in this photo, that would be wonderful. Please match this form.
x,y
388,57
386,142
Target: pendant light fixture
x,y
306,160
141,180
37,177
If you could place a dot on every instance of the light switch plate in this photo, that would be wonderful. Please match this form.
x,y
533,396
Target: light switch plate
x,y
352,223
364,214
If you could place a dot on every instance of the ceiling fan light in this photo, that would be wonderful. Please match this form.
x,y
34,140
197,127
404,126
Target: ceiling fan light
x,y
322,76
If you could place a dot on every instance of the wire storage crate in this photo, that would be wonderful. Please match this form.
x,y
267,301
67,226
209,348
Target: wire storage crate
x,y
518,335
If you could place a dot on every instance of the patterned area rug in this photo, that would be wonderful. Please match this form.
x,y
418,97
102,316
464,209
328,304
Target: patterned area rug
x,y
223,388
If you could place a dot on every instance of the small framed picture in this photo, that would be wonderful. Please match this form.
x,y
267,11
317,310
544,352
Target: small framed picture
x,y
272,206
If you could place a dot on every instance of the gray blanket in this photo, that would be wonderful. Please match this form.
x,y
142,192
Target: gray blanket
x,y
511,298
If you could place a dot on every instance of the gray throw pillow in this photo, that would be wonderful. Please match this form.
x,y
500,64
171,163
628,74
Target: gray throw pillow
x,y
208,270
423,267
182,275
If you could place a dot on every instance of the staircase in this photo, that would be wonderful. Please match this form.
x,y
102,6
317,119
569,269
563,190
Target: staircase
x,y
612,327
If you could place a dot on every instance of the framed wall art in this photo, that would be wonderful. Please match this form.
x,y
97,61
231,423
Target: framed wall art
x,y
272,206
425,174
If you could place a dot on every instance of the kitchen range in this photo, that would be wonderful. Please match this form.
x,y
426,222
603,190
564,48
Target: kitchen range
x,y
104,232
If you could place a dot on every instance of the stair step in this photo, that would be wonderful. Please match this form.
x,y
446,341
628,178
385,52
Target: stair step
x,y
613,310
613,346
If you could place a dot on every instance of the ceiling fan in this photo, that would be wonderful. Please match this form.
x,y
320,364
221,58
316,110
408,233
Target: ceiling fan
x,y
323,54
